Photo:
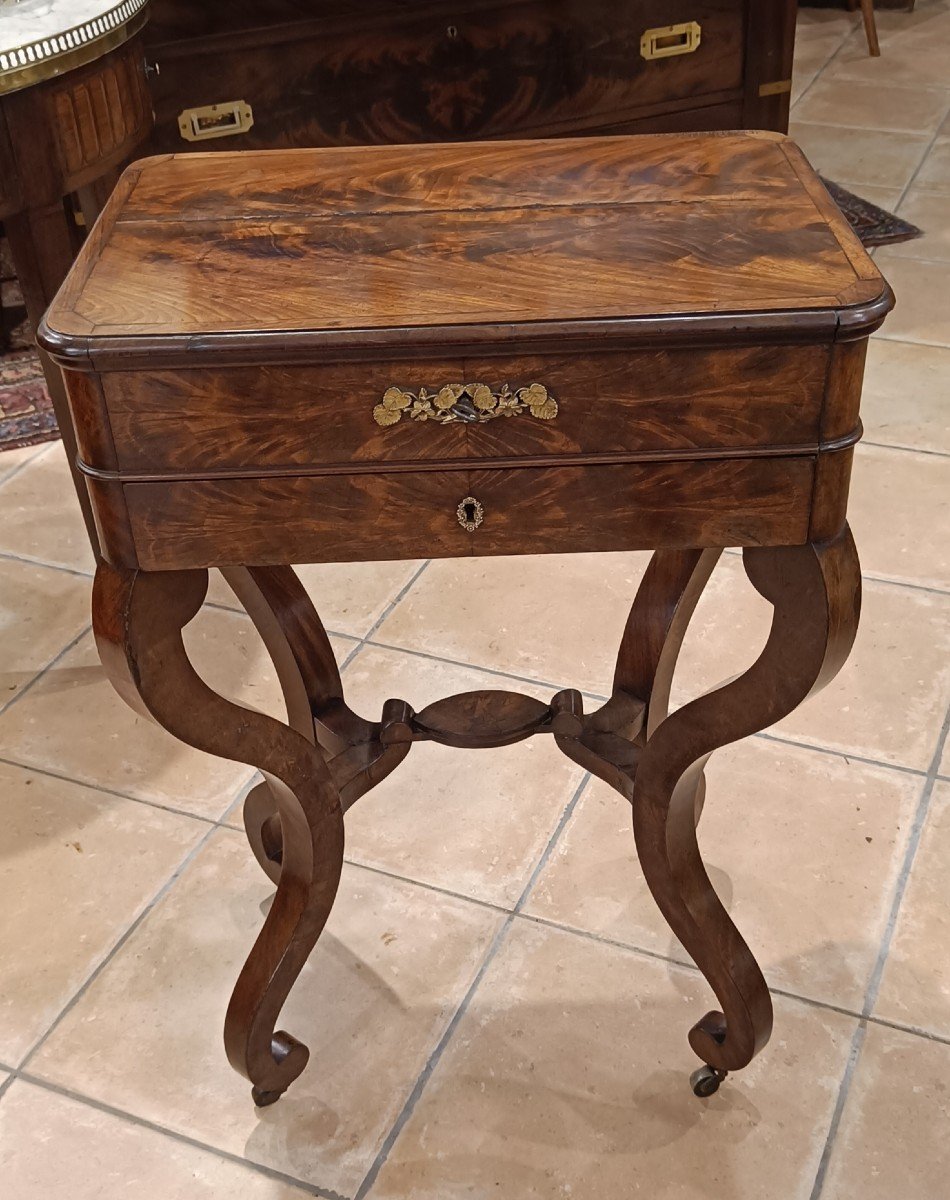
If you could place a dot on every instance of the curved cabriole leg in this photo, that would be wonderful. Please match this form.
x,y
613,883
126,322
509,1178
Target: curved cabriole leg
x,y
609,741
815,593
138,619
296,641
358,753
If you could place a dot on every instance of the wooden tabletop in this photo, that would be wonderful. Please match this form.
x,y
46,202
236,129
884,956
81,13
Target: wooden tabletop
x,y
429,241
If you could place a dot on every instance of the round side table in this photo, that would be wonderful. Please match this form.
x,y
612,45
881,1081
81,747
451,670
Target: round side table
x,y
74,105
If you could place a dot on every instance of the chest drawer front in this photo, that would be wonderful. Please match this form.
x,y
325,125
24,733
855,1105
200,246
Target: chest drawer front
x,y
610,404
467,71
192,523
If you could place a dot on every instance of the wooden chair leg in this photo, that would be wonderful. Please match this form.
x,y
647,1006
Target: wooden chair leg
x,y
138,619
815,592
870,28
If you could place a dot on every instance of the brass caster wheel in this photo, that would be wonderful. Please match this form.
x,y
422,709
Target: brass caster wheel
x,y
262,1099
705,1082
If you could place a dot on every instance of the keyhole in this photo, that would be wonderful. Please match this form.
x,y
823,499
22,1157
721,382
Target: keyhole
x,y
452,32
470,513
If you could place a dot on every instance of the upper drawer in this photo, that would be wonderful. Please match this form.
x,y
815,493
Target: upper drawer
x,y
457,72
206,420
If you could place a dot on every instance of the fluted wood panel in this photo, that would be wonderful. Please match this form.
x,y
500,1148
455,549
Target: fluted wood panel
x,y
100,112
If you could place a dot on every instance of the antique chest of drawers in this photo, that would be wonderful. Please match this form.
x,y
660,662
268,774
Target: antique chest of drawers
x,y
612,343
314,73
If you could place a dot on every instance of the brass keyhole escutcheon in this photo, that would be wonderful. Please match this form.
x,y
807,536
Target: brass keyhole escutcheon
x,y
470,513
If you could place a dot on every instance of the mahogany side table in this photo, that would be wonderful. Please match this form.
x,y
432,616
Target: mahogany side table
x,y
620,343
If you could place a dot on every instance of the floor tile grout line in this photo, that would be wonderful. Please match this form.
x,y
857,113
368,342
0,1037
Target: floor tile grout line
x,y
845,38
918,258
396,600
478,901
877,974
930,145
765,736
387,612
42,449
238,611
908,449
927,1035
910,855
114,792
844,1088
433,1060
58,1089
43,562
10,556
686,964
900,583
564,820
28,687
458,662
119,943
886,337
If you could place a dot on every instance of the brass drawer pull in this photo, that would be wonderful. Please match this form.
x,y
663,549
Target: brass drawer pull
x,y
669,40
467,403
470,513
215,120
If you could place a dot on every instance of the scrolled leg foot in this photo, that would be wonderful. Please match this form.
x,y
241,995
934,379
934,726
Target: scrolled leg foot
x,y
138,620
815,594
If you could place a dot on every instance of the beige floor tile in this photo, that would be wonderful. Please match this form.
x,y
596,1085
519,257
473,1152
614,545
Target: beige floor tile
x,y
475,822
892,1141
929,211
927,22
822,22
385,978
915,989
568,1077
55,1148
12,460
905,62
41,611
804,849
934,174
77,868
350,597
923,299
74,723
900,513
803,76
862,156
40,517
811,55
874,105
905,395
886,197
554,617
889,700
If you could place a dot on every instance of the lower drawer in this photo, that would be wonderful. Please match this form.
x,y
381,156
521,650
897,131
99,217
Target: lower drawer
x,y
413,514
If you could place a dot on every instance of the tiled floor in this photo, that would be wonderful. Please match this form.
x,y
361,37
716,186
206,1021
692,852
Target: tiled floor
x,y
496,1008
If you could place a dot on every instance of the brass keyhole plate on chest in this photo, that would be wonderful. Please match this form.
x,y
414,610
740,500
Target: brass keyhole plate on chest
x,y
470,513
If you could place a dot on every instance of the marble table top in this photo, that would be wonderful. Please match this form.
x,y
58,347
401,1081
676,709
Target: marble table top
x,y
43,38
